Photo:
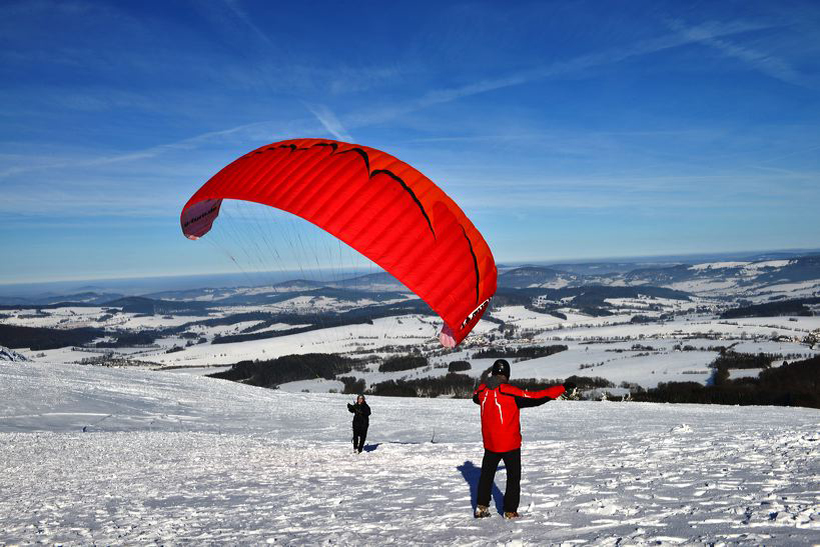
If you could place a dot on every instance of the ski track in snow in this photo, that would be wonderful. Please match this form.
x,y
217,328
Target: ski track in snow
x,y
178,459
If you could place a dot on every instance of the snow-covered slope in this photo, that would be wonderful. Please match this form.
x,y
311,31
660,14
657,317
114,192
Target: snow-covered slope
x,y
96,455
747,278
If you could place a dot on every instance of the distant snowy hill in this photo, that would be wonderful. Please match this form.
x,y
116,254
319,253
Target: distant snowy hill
x,y
537,277
89,298
381,286
376,282
772,274
726,278
94,455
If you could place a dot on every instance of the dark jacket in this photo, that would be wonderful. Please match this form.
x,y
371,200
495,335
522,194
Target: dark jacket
x,y
500,426
361,415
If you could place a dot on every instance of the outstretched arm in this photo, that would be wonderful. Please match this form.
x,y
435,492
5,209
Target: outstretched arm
x,y
526,399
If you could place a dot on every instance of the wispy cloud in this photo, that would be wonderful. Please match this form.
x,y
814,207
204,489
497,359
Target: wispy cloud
x,y
239,13
647,196
764,62
253,130
571,66
329,121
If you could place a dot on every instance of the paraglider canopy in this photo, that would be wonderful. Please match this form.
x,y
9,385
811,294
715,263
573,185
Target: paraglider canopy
x,y
377,204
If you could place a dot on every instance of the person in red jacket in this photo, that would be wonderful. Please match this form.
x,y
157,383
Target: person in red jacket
x,y
501,430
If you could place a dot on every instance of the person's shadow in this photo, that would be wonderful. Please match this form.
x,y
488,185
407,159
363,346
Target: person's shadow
x,y
471,475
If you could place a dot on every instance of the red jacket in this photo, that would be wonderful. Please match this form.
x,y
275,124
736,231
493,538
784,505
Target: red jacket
x,y
500,402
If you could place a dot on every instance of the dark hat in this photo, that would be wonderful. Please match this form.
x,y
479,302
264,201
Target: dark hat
x,y
501,368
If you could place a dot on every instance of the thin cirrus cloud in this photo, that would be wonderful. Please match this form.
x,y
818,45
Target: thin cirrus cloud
x,y
375,115
709,32
329,121
248,130
762,61
649,195
580,64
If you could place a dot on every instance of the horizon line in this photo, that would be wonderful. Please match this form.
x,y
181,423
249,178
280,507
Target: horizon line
x,y
565,260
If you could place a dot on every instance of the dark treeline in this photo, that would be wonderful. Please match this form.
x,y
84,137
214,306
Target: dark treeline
x,y
773,309
128,339
42,338
795,384
731,359
403,362
453,384
527,352
37,338
458,366
353,385
581,382
506,296
638,319
290,368
595,312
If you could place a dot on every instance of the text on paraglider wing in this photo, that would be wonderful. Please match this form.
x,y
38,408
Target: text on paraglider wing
x,y
475,312
200,217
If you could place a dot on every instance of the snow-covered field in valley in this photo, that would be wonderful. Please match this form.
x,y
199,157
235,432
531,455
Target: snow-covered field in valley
x,y
105,456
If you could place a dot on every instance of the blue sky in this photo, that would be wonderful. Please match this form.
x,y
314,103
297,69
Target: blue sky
x,y
565,130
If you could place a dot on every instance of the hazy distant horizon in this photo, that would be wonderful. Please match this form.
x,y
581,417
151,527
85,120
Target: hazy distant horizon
x,y
148,284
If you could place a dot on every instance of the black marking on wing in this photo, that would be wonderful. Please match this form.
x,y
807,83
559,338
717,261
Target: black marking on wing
x,y
475,262
333,145
409,191
366,159
364,156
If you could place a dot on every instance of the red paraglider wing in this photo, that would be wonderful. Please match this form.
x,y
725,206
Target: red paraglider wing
x,y
380,206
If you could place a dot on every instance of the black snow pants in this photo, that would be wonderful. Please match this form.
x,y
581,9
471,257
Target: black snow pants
x,y
359,435
512,494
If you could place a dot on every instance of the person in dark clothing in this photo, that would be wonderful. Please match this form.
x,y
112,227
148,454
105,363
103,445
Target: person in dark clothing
x,y
501,431
361,421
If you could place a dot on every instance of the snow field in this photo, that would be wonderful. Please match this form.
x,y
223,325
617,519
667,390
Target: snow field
x,y
727,329
789,290
631,366
173,458
662,364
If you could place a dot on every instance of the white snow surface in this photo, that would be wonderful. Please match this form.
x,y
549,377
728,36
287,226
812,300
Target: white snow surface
x,y
122,456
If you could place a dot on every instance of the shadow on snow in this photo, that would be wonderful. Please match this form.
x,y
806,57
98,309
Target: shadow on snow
x,y
471,475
